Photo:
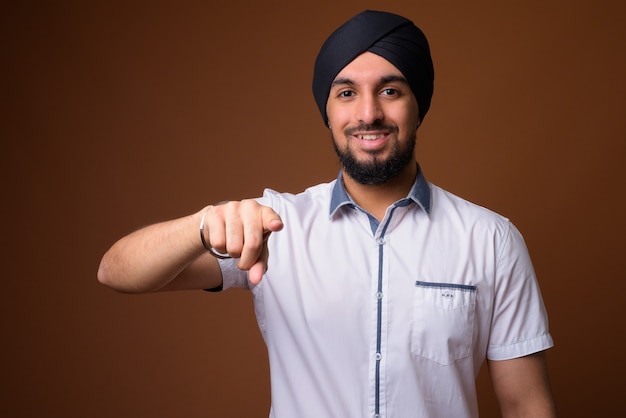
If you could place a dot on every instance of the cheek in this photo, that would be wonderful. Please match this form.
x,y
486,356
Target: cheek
x,y
409,121
338,115
337,136
336,127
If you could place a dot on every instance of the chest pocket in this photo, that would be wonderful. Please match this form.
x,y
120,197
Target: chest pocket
x,y
443,321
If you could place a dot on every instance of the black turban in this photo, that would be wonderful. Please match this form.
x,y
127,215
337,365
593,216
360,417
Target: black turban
x,y
390,36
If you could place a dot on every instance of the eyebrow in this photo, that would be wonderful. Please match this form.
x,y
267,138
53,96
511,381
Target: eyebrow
x,y
383,80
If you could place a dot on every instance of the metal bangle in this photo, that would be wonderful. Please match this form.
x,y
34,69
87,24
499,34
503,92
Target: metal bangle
x,y
206,245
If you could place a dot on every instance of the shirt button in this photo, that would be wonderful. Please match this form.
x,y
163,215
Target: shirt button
x,y
381,241
379,356
379,295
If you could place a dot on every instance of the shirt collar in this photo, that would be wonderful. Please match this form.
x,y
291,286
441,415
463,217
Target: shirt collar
x,y
419,193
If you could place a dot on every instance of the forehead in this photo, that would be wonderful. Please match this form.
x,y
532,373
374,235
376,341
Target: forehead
x,y
368,66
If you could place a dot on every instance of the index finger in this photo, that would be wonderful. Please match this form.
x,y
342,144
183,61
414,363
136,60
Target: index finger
x,y
258,223
272,221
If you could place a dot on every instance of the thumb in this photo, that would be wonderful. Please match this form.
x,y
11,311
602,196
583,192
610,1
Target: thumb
x,y
271,223
258,269
255,274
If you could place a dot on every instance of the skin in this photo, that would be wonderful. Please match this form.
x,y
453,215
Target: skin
x,y
522,387
170,256
373,116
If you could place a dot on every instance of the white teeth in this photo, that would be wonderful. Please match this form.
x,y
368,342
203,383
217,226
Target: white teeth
x,y
370,137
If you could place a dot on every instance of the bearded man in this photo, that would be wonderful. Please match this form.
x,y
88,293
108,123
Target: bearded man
x,y
378,294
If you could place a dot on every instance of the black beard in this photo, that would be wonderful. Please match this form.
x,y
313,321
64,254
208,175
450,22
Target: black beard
x,y
376,171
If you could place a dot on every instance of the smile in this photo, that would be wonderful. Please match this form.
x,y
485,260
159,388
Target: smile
x,y
370,137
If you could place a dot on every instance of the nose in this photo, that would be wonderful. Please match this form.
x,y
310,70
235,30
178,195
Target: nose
x,y
369,109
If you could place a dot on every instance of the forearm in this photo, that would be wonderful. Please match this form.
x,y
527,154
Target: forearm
x,y
171,256
150,258
541,407
522,387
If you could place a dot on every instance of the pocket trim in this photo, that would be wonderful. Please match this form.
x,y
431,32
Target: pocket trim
x,y
466,287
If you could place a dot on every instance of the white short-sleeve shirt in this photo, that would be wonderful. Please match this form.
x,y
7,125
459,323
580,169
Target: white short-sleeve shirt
x,y
394,318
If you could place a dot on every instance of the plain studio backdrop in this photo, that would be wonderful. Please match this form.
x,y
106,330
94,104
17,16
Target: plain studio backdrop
x,y
119,114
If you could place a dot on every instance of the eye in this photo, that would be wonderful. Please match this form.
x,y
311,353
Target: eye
x,y
346,93
389,92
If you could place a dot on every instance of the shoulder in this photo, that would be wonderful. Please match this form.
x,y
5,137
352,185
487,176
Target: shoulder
x,y
462,215
444,202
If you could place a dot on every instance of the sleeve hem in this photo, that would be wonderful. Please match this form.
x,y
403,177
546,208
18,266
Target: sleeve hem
x,y
520,349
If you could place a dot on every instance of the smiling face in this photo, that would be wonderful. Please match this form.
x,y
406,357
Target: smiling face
x,y
373,118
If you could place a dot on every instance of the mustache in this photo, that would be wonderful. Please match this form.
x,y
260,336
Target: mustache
x,y
376,126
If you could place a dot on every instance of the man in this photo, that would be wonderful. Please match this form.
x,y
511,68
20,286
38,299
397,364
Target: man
x,y
377,294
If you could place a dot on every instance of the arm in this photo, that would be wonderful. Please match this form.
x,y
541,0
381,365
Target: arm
x,y
522,387
170,255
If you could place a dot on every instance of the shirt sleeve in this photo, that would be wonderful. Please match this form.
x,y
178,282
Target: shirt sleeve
x,y
232,277
520,321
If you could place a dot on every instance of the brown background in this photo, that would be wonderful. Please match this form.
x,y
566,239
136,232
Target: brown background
x,y
118,114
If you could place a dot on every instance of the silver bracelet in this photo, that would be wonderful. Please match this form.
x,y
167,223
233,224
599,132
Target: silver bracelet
x,y
206,245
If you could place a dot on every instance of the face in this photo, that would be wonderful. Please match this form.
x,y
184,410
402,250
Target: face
x,y
373,119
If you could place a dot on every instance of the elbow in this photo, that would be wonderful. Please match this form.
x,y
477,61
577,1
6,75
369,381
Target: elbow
x,y
115,276
107,276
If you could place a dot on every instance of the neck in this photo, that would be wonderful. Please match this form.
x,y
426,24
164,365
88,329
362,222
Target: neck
x,y
377,198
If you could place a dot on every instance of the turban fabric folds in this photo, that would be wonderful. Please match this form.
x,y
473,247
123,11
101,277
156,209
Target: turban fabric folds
x,y
388,35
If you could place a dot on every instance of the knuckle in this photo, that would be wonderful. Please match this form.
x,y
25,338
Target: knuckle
x,y
234,248
218,242
254,241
